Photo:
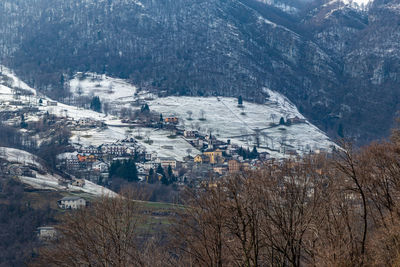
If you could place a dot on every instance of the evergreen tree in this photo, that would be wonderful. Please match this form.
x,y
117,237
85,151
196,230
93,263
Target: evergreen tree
x,y
340,131
125,170
160,169
165,180
95,104
281,121
254,153
171,175
23,123
169,171
62,80
145,108
240,100
152,177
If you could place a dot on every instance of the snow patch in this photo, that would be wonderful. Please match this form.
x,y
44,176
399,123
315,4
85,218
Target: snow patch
x,y
108,89
47,181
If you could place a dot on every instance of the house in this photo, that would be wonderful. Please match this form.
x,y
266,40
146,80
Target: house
x,y
99,166
201,159
150,165
215,156
173,120
72,163
263,155
165,162
131,150
190,134
295,120
90,150
26,171
81,158
89,158
87,122
150,156
78,182
291,152
114,149
231,148
220,169
45,233
16,103
233,166
71,203
187,158
51,103
197,142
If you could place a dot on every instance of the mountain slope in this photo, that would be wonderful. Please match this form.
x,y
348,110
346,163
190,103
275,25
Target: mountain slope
x,y
320,54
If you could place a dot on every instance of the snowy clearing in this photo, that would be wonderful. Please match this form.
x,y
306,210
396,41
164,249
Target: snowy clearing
x,y
47,181
226,120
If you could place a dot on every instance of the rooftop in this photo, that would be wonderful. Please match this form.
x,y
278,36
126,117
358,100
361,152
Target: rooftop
x,y
70,198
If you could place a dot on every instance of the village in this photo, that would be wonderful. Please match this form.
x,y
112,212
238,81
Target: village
x,y
82,148
98,144
216,157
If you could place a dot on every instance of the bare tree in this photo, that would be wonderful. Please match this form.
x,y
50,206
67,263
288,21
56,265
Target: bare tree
x,y
202,115
189,113
106,107
199,230
104,234
148,134
244,220
273,117
347,163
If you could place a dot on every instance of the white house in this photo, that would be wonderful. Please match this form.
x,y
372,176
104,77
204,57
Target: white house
x,y
46,233
114,149
151,156
71,203
190,134
90,150
150,165
100,166
165,162
88,122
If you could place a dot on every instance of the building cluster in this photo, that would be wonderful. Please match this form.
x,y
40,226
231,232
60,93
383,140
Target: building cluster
x,y
93,162
216,157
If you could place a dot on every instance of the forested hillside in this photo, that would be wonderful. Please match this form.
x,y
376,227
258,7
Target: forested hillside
x,y
338,64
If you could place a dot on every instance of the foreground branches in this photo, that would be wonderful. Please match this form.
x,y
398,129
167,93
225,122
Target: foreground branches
x,y
322,210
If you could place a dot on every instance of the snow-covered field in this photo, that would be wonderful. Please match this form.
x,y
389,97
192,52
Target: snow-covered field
x,y
12,81
19,156
47,181
222,117
226,120
107,88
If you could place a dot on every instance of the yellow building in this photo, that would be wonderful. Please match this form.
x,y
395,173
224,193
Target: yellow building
x,y
215,156
201,159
